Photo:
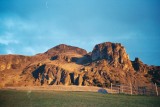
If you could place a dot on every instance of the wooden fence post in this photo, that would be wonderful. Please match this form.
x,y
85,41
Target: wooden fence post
x,y
156,89
111,87
122,88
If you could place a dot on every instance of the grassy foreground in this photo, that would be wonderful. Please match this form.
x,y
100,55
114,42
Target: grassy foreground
x,y
12,98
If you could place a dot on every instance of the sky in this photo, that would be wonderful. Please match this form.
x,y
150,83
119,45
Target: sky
x,y
29,27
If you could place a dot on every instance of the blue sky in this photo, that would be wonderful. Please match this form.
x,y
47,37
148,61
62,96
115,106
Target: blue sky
x,y
29,27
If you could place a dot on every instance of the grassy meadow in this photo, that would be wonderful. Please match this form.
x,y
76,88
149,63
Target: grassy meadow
x,y
13,98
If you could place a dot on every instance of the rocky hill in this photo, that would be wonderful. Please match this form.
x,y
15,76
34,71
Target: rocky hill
x,y
68,65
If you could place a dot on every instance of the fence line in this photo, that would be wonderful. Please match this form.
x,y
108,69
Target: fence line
x,y
138,90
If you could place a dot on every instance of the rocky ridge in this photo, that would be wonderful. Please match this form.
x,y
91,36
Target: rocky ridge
x,y
68,65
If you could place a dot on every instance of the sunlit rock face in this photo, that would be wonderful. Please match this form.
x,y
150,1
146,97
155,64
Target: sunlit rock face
x,y
62,48
2,67
114,53
8,62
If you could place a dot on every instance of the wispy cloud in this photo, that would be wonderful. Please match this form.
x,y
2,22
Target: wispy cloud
x,y
15,23
10,51
7,42
7,39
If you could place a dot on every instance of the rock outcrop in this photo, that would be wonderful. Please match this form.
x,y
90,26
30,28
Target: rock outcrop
x,y
113,53
152,73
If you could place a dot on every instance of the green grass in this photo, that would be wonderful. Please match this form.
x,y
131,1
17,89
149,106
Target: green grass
x,y
12,98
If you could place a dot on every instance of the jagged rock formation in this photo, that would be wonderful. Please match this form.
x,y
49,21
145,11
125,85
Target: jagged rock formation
x,y
68,65
113,53
150,72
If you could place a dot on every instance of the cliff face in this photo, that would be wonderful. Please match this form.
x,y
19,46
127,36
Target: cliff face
x,y
68,65
113,53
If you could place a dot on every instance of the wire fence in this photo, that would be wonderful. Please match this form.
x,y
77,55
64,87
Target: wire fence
x,y
154,90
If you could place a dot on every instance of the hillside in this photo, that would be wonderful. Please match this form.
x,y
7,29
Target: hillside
x,y
69,65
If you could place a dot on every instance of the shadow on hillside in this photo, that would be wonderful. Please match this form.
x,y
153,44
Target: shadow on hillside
x,y
38,71
78,60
